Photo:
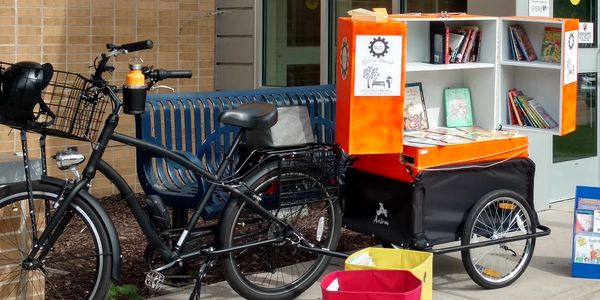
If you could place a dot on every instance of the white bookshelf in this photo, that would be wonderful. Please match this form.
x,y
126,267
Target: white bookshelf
x,y
495,72
537,79
480,77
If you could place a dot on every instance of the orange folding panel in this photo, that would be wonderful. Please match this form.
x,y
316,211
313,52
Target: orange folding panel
x,y
416,159
370,86
569,90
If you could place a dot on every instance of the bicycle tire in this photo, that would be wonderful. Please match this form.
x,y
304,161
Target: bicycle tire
x,y
277,258
487,220
69,271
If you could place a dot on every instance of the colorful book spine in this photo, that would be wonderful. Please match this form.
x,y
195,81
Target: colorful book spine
x,y
542,112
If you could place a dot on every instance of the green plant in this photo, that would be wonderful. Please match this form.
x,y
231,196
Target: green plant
x,y
126,291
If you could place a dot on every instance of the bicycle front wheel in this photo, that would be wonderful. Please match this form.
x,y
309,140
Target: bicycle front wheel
x,y
279,270
78,265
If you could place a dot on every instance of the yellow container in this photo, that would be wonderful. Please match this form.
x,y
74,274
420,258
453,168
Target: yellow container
x,y
419,263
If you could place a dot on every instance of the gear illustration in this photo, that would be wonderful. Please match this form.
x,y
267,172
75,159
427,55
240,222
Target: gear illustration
x,y
571,40
378,47
344,58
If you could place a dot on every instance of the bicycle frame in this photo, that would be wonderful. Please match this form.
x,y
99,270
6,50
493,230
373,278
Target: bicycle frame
x,y
95,163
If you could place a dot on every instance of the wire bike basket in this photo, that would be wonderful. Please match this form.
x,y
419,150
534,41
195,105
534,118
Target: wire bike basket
x,y
305,175
70,107
309,175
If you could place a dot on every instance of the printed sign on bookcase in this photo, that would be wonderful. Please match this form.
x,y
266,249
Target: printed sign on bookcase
x,y
586,233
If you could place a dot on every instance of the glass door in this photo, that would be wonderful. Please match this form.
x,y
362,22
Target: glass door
x,y
291,42
575,156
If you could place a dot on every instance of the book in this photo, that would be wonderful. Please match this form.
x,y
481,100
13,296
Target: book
x,y
477,47
459,110
529,113
514,47
463,47
456,40
596,221
523,42
543,114
415,112
584,220
587,249
512,93
469,48
447,45
536,120
437,42
551,45
512,110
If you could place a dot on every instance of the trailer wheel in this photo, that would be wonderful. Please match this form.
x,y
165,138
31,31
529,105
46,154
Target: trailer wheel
x,y
498,214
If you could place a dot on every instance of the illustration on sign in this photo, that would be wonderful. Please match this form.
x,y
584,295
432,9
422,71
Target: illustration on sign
x,y
378,65
570,72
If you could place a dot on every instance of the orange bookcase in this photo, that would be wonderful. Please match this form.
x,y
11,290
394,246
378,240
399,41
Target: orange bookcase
x,y
370,86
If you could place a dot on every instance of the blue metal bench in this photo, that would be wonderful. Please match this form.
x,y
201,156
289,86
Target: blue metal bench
x,y
188,123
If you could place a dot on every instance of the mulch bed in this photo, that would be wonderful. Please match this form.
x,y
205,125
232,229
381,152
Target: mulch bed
x,y
133,244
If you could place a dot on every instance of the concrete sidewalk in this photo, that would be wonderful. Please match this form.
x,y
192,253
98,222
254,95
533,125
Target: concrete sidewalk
x,y
547,277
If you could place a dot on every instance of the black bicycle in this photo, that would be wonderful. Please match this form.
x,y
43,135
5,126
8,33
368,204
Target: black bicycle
x,y
281,218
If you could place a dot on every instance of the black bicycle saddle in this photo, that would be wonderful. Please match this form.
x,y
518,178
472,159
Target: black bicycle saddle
x,y
253,115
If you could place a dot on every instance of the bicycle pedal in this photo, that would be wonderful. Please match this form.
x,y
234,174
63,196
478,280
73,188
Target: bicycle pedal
x,y
154,280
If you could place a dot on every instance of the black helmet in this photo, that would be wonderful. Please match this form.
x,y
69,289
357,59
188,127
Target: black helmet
x,y
21,90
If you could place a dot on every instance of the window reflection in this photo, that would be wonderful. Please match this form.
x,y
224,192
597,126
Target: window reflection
x,y
581,143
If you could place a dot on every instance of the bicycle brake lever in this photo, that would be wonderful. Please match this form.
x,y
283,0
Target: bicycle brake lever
x,y
161,86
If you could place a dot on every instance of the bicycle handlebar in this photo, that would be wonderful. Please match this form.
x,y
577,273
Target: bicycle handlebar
x,y
132,47
160,74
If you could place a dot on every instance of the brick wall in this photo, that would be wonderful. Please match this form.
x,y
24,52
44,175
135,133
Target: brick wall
x,y
71,33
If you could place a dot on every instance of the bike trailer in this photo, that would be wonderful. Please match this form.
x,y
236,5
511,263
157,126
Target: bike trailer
x,y
432,209
371,285
419,263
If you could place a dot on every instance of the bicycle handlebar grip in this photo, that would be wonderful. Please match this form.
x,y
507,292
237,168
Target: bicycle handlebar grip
x,y
164,74
137,46
179,74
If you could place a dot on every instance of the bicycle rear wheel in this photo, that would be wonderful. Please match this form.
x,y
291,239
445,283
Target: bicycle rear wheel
x,y
77,267
279,270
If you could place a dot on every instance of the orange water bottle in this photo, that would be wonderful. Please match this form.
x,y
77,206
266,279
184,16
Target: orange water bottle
x,y
134,89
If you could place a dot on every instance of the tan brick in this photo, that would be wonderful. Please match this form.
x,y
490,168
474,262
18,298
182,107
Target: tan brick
x,y
55,11
103,13
7,12
76,21
54,30
29,3
62,4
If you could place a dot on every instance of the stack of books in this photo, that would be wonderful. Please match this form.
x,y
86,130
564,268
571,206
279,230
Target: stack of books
x,y
454,45
519,44
525,111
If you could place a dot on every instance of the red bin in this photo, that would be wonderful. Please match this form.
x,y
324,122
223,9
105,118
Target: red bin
x,y
371,285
